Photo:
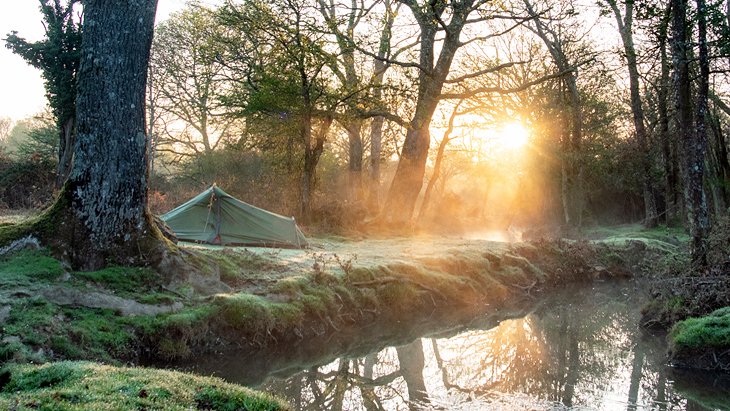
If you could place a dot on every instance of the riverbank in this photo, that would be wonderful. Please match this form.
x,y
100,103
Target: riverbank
x,y
279,298
270,297
690,304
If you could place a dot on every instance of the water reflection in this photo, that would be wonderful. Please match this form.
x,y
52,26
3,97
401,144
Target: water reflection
x,y
577,350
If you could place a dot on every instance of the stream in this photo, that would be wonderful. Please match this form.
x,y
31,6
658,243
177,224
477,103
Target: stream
x,y
577,349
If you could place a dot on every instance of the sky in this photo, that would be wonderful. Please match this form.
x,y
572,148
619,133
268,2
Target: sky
x,y
21,86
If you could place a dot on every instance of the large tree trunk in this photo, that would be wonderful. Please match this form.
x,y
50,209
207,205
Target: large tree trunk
x,y
105,197
426,203
408,179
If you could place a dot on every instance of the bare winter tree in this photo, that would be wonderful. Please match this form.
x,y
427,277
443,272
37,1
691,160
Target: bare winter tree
x,y
625,20
556,42
188,81
6,124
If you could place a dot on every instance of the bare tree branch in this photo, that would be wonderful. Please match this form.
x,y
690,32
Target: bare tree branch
x,y
501,90
485,71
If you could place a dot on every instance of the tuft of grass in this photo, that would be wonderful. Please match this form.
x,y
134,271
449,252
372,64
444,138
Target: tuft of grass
x,y
71,386
234,264
712,331
99,332
157,298
398,296
174,333
32,320
27,267
224,398
244,311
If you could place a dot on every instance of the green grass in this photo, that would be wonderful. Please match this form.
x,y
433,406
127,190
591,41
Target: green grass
x,y
662,238
712,331
69,332
124,281
28,267
83,386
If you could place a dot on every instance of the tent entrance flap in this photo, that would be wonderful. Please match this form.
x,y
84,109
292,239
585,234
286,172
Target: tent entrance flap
x,y
215,217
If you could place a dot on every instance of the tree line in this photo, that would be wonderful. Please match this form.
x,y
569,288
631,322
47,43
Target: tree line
x,y
294,81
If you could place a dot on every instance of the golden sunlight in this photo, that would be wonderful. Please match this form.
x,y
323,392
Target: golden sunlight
x,y
512,135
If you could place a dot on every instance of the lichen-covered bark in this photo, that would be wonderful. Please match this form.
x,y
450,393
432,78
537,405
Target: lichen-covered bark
x,y
107,187
693,143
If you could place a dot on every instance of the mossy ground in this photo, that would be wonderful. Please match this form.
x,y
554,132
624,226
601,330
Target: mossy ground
x,y
90,386
276,297
702,342
710,331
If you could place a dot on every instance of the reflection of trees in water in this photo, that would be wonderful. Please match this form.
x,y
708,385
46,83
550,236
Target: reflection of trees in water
x,y
562,352
374,382
567,351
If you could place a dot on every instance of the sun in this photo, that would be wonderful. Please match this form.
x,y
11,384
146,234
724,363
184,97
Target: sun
x,y
513,135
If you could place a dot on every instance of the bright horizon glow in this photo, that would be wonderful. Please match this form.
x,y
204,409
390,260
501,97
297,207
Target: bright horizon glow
x,y
512,136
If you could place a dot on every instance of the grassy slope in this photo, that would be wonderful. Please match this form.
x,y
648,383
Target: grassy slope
x,y
279,296
90,386
276,297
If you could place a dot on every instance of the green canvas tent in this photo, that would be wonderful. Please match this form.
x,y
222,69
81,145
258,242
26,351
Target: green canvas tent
x,y
215,217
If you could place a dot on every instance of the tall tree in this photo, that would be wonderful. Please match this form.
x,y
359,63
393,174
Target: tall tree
x,y
57,56
188,81
695,149
669,146
692,141
434,63
625,22
376,126
343,25
103,209
556,42
277,52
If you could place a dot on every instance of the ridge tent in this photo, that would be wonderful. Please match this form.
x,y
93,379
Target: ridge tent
x,y
216,217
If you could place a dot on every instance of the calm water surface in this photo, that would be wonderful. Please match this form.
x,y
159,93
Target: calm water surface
x,y
579,349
